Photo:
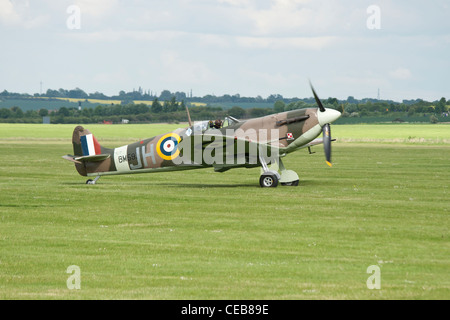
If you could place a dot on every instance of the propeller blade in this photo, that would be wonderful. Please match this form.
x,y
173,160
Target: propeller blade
x,y
327,143
319,103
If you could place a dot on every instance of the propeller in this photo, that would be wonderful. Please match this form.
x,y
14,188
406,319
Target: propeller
x,y
325,117
327,143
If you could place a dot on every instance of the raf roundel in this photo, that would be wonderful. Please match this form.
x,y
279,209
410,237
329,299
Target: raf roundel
x,y
167,146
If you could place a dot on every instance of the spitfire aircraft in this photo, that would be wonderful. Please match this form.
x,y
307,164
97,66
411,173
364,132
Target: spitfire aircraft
x,y
222,145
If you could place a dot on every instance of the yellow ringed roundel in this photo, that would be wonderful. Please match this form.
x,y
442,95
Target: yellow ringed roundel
x,y
167,146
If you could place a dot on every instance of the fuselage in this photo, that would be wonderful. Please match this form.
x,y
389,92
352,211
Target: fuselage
x,y
235,144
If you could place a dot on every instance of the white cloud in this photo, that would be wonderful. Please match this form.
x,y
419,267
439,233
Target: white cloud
x,y
8,14
401,74
236,3
177,69
270,79
262,19
19,14
311,43
97,8
111,36
206,40
286,17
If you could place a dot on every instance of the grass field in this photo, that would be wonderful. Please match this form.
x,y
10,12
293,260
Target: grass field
x,y
205,235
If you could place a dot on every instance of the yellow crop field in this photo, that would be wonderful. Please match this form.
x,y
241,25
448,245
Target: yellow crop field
x,y
198,104
147,102
108,102
104,101
99,101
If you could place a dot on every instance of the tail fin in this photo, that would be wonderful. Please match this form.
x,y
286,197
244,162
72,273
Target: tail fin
x,y
86,149
84,143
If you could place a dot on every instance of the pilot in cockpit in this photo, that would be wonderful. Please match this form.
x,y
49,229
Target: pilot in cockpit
x,y
216,124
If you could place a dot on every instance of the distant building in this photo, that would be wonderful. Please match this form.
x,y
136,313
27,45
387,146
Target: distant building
x,y
46,120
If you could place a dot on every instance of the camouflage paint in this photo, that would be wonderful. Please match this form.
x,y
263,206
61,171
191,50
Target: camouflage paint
x,y
282,133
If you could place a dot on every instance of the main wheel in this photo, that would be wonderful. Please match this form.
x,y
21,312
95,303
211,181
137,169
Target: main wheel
x,y
90,181
268,180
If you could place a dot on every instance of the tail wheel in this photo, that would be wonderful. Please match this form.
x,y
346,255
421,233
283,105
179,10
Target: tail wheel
x,y
268,180
90,181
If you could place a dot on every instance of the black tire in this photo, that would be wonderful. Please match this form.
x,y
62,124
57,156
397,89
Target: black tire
x,y
89,181
268,180
290,184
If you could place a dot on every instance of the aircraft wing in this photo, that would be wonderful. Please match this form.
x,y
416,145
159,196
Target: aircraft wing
x,y
222,141
231,151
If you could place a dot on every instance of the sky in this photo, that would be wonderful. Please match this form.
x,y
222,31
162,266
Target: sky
x,y
247,47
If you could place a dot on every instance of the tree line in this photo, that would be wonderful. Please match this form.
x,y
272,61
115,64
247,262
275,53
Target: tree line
x,y
135,113
170,107
371,107
174,111
166,95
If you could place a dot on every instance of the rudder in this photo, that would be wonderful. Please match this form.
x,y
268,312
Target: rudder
x,y
84,143
89,156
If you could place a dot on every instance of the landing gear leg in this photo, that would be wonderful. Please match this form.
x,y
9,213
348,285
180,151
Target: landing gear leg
x,y
90,181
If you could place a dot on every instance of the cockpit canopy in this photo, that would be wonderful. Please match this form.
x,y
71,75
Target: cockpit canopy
x,y
202,126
